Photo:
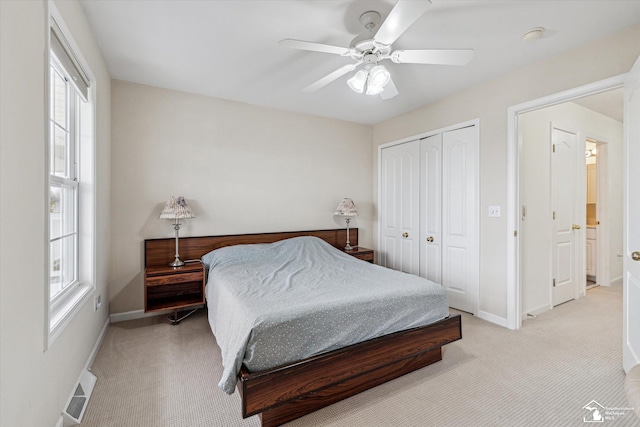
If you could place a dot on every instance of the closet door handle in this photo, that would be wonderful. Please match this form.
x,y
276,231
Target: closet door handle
x,y
575,227
635,256
430,239
405,234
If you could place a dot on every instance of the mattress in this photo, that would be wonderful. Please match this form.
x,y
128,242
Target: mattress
x,y
273,304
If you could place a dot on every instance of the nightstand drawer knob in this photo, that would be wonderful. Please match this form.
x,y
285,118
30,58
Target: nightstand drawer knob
x,y
430,239
405,234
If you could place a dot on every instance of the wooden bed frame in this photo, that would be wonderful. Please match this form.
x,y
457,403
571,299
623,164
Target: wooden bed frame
x,y
291,391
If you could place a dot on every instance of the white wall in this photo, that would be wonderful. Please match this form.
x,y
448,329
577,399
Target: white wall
x,y
242,168
489,102
34,384
535,175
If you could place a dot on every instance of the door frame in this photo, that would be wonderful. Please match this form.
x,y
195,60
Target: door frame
x,y
603,272
514,285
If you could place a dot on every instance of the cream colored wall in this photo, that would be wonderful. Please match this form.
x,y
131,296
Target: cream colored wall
x,y
535,174
242,168
489,102
34,384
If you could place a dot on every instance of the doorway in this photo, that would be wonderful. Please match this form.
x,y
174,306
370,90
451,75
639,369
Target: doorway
x,y
597,251
554,218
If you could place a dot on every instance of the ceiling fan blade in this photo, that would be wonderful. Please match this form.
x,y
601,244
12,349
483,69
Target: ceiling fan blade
x,y
315,47
401,17
433,56
330,77
390,90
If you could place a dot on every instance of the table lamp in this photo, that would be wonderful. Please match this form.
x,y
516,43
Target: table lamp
x,y
176,208
347,209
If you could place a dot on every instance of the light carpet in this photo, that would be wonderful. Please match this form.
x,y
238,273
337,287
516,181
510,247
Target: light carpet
x,y
152,374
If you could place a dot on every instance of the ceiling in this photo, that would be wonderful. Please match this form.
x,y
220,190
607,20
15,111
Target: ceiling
x,y
608,103
228,49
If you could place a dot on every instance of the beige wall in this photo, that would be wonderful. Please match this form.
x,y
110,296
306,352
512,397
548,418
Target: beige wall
x,y
242,168
489,102
34,384
535,193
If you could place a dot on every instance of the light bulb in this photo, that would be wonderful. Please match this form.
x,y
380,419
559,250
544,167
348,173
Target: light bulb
x,y
356,83
378,77
374,90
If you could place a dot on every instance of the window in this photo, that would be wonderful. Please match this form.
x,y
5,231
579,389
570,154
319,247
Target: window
x,y
63,184
71,184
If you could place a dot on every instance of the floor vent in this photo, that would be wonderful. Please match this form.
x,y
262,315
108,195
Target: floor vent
x,y
77,403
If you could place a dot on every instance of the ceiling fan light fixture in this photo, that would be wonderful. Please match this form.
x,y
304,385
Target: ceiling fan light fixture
x,y
378,78
374,90
356,83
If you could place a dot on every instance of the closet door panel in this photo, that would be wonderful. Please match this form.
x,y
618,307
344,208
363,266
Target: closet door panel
x,y
460,217
400,196
431,208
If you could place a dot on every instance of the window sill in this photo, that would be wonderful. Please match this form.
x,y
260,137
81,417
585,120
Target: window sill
x,y
63,310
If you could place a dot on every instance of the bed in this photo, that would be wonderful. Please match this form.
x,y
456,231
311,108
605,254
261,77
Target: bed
x,y
314,371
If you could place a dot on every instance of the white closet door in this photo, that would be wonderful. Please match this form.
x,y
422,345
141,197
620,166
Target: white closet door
x,y
400,182
431,208
460,270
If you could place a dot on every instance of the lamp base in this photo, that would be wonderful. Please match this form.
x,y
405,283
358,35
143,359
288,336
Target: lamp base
x,y
176,263
348,248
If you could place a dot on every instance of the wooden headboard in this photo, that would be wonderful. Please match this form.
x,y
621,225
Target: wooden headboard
x,y
159,252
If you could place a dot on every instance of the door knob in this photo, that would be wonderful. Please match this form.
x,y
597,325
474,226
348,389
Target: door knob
x,y
430,239
405,234
635,256
575,227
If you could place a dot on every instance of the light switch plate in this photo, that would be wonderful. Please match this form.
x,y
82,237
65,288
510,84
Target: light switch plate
x,y
494,211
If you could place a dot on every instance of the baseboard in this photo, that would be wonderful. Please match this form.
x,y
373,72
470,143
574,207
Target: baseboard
x,y
135,314
536,311
617,281
90,359
140,314
96,346
500,321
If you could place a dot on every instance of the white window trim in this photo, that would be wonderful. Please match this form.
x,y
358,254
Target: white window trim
x,y
65,306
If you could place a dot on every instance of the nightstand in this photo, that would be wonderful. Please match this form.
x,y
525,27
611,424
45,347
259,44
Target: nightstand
x,y
169,288
361,253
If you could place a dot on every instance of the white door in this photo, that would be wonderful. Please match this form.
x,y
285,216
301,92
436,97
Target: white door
x,y
564,154
460,271
631,261
431,208
400,181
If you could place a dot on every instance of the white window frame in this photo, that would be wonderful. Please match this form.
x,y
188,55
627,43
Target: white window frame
x,y
62,307
70,181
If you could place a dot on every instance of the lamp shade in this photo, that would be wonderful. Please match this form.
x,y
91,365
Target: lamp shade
x,y
346,208
176,208
356,83
378,78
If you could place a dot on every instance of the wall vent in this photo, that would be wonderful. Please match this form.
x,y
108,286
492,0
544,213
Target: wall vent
x,y
77,403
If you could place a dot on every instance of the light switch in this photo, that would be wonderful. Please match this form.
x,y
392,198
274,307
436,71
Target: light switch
x,y
494,211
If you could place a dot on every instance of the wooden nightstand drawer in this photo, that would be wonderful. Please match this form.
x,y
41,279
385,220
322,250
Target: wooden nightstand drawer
x,y
173,278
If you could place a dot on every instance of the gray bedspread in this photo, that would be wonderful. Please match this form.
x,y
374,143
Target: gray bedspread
x,y
272,304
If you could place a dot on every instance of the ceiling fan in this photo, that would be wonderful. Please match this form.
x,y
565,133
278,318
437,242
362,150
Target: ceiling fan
x,y
374,46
